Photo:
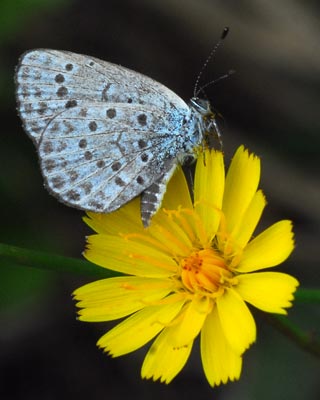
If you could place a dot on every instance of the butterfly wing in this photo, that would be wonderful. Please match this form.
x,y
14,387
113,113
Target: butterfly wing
x,y
50,82
104,133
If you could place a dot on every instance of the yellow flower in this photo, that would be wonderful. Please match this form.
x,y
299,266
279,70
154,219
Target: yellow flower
x,y
191,272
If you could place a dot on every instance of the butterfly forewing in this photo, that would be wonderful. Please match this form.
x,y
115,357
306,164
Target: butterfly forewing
x,y
50,81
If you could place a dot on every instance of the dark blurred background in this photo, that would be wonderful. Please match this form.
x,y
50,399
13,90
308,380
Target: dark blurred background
x,y
271,105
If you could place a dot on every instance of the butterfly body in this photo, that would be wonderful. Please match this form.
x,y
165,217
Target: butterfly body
x,y
104,133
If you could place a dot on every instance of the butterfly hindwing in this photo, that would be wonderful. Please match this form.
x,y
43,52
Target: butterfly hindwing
x,y
99,157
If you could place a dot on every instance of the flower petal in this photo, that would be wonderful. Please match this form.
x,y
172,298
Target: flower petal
x,y
220,362
177,193
113,298
268,249
243,232
236,320
164,361
135,331
129,257
241,184
269,291
208,189
124,220
190,321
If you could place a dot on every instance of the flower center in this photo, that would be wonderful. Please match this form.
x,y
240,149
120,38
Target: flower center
x,y
204,271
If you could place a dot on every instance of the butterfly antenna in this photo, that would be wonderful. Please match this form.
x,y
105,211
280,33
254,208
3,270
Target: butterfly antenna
x,y
229,73
215,48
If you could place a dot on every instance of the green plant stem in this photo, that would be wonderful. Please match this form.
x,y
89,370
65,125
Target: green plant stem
x,y
41,260
306,341
307,296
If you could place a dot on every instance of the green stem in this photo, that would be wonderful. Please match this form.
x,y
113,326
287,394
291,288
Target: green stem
x,y
306,341
307,296
37,259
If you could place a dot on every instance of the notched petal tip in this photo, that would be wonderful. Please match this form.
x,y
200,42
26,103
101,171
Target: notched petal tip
x,y
220,362
237,321
270,248
268,291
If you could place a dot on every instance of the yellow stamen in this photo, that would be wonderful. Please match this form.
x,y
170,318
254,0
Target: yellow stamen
x,y
204,271
201,233
178,214
150,260
146,238
172,239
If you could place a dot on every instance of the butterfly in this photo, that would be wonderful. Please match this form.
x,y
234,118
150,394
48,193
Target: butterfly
x,y
106,134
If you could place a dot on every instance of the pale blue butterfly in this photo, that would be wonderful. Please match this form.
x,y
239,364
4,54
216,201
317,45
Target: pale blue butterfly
x,y
104,133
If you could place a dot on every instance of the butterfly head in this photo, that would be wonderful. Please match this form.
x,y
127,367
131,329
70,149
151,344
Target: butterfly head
x,y
207,123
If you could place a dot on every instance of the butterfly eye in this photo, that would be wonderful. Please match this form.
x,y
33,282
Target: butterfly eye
x,y
200,105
